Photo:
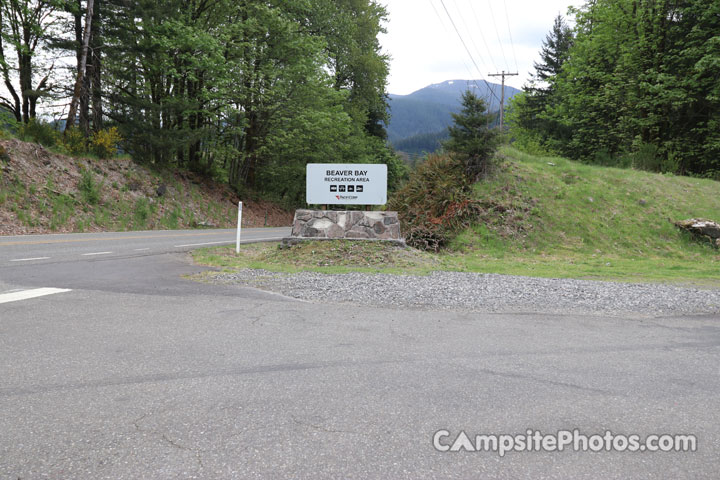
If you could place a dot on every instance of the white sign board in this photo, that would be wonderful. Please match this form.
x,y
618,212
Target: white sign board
x,y
346,184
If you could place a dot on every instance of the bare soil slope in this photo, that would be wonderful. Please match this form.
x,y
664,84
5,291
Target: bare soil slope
x,y
42,191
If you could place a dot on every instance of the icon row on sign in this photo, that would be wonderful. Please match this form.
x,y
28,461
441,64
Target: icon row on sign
x,y
346,188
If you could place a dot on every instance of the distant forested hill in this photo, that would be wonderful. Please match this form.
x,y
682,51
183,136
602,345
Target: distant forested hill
x,y
427,111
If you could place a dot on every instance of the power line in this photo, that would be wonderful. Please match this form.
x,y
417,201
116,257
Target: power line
x,y
512,45
442,2
437,14
482,36
497,33
472,39
477,20
486,95
502,94
471,75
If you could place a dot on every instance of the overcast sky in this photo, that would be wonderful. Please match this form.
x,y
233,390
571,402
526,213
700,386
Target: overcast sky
x,y
500,34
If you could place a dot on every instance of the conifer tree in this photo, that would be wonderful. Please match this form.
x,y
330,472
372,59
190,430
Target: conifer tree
x,y
470,136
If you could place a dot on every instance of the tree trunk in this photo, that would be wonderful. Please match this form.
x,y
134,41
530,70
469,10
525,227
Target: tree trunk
x,y
14,104
78,27
95,70
81,70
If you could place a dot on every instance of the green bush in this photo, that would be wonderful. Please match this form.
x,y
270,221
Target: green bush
x,y
89,189
646,156
670,163
39,132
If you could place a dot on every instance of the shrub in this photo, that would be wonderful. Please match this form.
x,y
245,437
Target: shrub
x,y
671,163
89,189
39,132
104,143
435,202
647,157
75,142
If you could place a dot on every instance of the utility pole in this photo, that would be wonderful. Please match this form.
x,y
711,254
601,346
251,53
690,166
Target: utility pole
x,y
502,94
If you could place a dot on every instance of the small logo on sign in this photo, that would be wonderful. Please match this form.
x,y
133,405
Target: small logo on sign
x,y
333,188
351,188
341,188
358,188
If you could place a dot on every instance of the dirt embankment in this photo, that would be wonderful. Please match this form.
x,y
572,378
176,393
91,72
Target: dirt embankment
x,y
43,192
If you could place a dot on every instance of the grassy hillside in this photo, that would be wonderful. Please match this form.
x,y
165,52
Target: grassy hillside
x,y
42,191
555,217
543,217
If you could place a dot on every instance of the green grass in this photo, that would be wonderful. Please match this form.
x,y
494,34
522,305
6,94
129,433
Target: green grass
x,y
574,220
171,219
141,213
332,256
565,220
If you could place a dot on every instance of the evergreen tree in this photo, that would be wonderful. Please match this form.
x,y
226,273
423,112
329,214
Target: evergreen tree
x,y
638,87
532,111
247,91
471,139
553,53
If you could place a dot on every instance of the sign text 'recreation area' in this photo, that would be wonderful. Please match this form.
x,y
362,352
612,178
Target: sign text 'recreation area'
x,y
346,184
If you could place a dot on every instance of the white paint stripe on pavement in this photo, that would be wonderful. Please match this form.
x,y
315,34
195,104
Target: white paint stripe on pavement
x,y
248,240
140,249
27,294
96,253
29,259
199,244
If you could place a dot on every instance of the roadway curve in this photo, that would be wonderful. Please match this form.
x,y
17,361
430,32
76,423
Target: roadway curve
x,y
114,366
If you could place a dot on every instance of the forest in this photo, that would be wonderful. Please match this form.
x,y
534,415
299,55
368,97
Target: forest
x,y
247,92
632,83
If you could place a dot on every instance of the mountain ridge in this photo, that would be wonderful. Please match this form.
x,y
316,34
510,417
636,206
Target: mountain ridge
x,y
428,110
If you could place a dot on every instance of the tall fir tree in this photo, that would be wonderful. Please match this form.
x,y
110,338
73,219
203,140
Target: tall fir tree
x,y
532,109
471,138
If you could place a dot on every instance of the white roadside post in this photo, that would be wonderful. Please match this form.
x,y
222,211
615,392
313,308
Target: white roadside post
x,y
239,227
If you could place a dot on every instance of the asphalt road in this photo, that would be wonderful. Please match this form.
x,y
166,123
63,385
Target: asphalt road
x,y
129,370
55,247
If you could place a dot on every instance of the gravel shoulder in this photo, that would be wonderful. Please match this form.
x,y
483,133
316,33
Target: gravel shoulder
x,y
492,293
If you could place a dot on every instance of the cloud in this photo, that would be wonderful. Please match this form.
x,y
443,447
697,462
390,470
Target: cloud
x,y
425,47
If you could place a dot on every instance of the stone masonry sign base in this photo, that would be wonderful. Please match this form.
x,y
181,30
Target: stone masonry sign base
x,y
344,225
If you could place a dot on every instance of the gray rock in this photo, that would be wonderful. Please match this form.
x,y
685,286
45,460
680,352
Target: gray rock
x,y
335,231
303,215
356,234
702,229
322,224
313,232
